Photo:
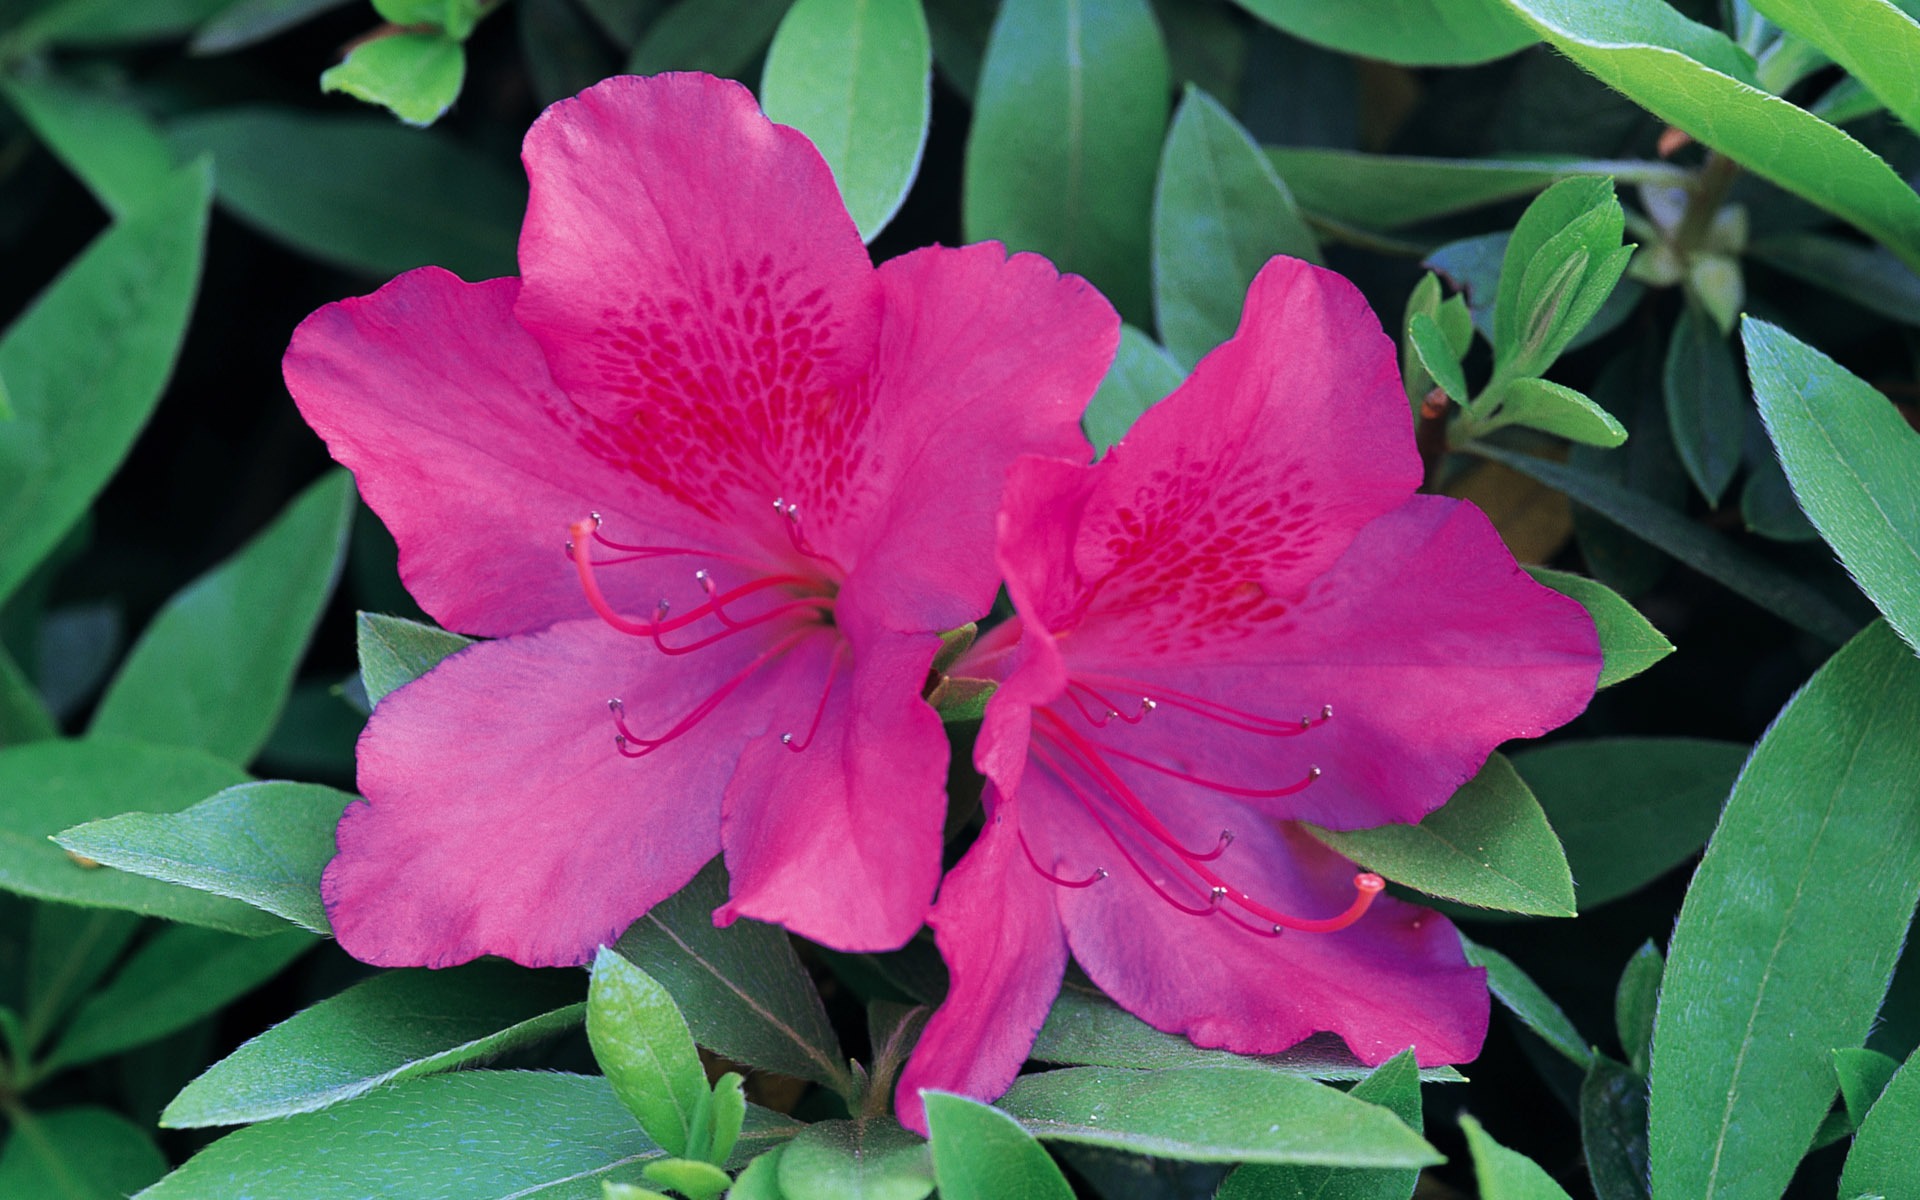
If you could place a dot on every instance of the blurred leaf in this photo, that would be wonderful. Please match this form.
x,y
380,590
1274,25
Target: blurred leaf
x,y
395,651
1767,503
115,22
1524,999
1634,1002
645,1050
457,17
1732,565
70,949
1874,40
1628,641
262,843
358,191
1553,408
76,1154
417,76
1066,137
1629,809
856,77
1503,1174
1219,213
110,145
872,1158
564,53
761,1179
694,1178
1706,404
1489,846
1395,1086
1863,1075
1692,77
214,667
242,24
742,990
394,1026
1613,1130
1854,465
86,363
23,714
720,37
981,1153
178,976
1882,1161
1214,1114
1870,276
1142,375
1412,32
1791,927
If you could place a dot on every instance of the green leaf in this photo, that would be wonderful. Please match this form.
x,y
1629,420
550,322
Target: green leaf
x,y
870,1159
742,990
1874,40
245,22
981,1153
395,651
729,1112
394,1026
1694,78
1553,408
360,192
1628,810
1532,247
1863,1075
261,843
86,363
1882,1161
1066,135
177,977
1489,846
214,668
1773,589
856,77
720,37
1435,351
1142,375
690,1177
1634,1001
761,1179
23,713
1854,464
1503,1174
114,149
1214,1114
1219,213
1629,643
416,76
1613,1130
1791,927
76,1154
1869,276
645,1050
1395,1086
1706,405
1084,1028
113,22
1412,32
1524,999
69,950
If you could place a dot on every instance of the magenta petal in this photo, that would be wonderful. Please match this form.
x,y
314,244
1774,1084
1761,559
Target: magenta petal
x,y
997,929
499,817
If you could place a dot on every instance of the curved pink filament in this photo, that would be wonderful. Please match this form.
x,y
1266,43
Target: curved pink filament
x,y
1086,802
590,585
778,610
1291,789
1099,873
833,669
1214,710
1087,757
627,738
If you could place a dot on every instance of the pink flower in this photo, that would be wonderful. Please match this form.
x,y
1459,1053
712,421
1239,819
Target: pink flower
x,y
793,460
1242,617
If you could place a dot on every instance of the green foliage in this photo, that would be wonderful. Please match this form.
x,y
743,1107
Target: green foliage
x,y
1634,1002
1503,1174
1881,1161
1395,1086
1628,642
1524,999
80,1153
415,75
869,1157
1142,375
1706,405
980,1153
111,145
1415,32
645,1050
395,651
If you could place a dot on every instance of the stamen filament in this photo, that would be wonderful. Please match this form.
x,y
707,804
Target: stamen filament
x,y
787,739
626,739
1099,873
1213,710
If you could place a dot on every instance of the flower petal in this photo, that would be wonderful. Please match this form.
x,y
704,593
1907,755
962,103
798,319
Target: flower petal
x,y
1006,953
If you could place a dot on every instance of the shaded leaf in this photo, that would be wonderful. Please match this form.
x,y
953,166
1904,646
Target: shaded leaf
x,y
1705,402
1634,1003
395,651
1629,643
1613,1130
1882,1161
76,1154
871,1158
115,150
1414,32
1524,999
1870,276
1142,375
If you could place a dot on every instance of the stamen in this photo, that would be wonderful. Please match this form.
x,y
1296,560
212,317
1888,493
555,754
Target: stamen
x,y
589,583
1099,873
786,739
633,745
1211,709
798,537
1087,758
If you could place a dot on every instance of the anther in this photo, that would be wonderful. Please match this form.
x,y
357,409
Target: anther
x,y
1147,705
779,505
595,518
616,708
1313,772
1326,712
786,739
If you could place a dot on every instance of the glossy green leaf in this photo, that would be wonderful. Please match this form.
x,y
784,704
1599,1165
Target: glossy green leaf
x,y
1557,409
177,977
720,37
1634,1002
1694,78
742,990
361,192
1413,32
245,22
1613,1130
1489,846
1863,1075
856,77
1142,375
1706,404
416,76
394,1026
1395,1086
1791,928
645,1050
86,363
1870,276
981,1153
872,1158
1629,643
1874,40
76,1154
395,651
1214,1114
1882,1161
262,843
1504,1174
1066,137
214,667
1715,557
1524,999
1219,213
1854,464
1435,352
1628,810
114,149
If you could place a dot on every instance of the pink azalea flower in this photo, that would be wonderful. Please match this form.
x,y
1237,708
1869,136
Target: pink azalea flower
x,y
792,460
1242,617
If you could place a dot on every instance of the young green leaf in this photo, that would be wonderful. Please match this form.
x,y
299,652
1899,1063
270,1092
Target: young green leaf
x,y
1791,927
1706,405
1413,32
112,146
395,651
729,1110
692,1178
856,77
1854,465
1534,257
1503,1174
1554,408
416,76
1435,352
1142,375
1613,1130
1882,1161
1524,999
645,1050
1634,1003
872,1157
981,1153
80,1153
1629,644
1395,1086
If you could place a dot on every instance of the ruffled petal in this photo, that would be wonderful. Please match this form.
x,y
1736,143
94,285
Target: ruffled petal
x,y
1005,951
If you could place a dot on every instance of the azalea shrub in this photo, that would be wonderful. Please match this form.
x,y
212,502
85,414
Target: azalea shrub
x,y
1001,598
